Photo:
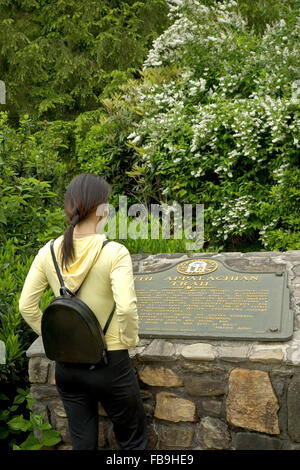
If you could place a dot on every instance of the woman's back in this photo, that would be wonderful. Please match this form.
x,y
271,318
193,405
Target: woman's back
x,y
103,276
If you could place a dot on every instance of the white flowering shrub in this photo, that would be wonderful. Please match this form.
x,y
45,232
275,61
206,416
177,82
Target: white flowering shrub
x,y
216,121
225,130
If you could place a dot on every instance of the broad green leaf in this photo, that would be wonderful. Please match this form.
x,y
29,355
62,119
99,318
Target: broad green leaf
x,y
19,399
13,408
31,443
50,438
45,426
18,423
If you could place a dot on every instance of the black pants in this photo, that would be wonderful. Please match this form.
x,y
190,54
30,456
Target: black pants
x,y
116,387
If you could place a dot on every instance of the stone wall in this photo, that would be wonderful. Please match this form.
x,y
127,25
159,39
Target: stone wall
x,y
204,394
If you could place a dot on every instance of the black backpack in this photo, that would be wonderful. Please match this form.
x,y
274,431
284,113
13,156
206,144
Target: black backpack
x,y
70,330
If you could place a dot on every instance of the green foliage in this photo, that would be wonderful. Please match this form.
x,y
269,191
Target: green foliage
x,y
84,54
13,330
25,205
102,146
14,427
280,212
39,150
261,13
28,205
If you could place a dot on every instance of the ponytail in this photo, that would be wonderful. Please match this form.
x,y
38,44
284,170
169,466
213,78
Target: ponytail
x,y
85,192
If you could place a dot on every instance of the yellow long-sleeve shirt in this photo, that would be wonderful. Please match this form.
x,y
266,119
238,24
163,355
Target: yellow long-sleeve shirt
x,y
107,276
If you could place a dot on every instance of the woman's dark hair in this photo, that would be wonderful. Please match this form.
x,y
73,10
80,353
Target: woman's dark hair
x,y
84,193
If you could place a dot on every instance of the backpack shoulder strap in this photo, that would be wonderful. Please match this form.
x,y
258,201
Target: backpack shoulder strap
x,y
56,265
63,289
105,242
109,319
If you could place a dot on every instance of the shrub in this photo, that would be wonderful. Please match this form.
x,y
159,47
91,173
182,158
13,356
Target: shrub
x,y
14,428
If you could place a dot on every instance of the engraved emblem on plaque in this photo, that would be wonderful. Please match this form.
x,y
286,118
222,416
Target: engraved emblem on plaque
x,y
197,266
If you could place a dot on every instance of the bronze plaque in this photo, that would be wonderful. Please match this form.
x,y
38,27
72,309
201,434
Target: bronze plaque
x,y
202,298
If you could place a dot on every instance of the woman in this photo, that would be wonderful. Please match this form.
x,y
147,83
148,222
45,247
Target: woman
x,y
108,278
